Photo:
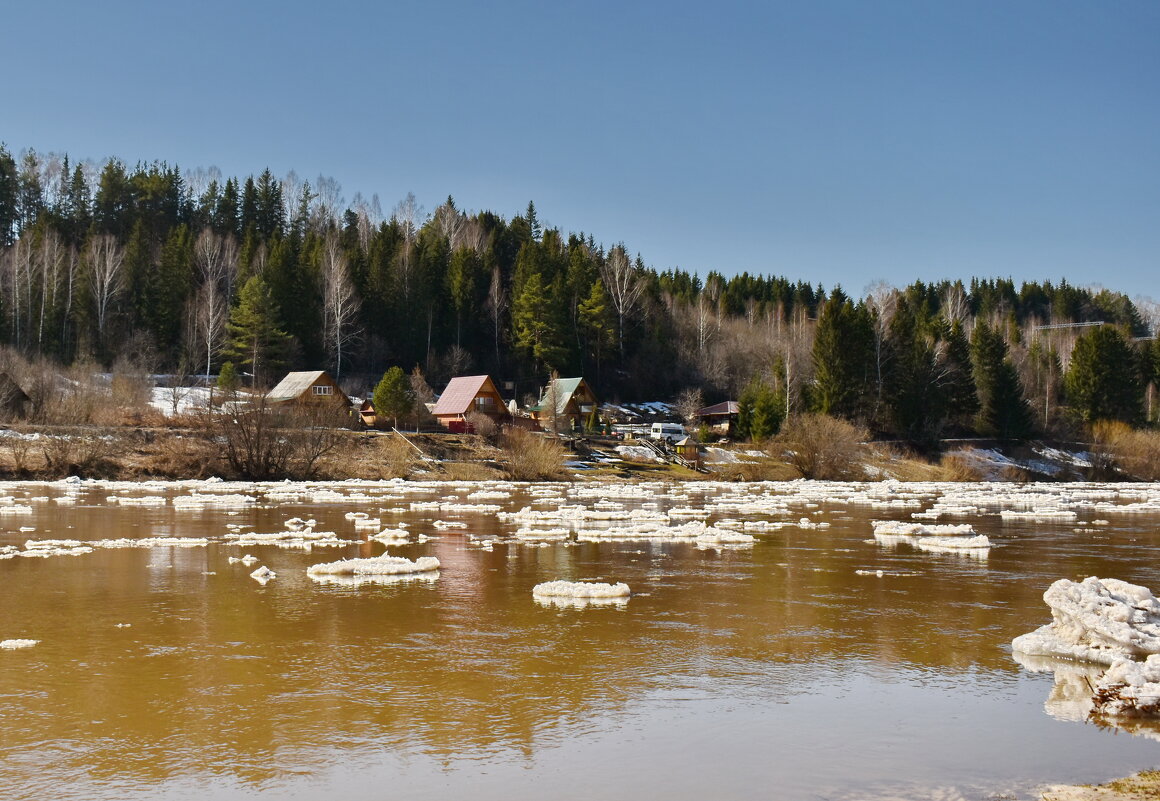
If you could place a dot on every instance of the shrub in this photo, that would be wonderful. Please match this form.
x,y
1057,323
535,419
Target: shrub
x,y
824,447
531,457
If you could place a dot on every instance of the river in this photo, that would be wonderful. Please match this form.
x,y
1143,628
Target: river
x,y
816,662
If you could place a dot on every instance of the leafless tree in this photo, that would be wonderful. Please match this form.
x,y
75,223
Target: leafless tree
x,y
409,216
340,304
368,214
216,260
497,304
883,299
327,202
689,402
105,258
955,306
625,285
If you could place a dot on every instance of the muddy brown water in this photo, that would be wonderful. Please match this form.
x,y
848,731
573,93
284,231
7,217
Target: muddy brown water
x,y
776,670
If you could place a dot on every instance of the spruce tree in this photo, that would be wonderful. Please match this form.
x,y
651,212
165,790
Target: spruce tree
x,y
256,341
1104,381
1003,411
842,354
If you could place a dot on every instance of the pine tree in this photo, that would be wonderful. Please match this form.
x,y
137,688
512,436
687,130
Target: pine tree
x,y
256,341
393,396
1104,381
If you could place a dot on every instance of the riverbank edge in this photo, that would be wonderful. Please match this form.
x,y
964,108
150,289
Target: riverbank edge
x,y
1142,786
182,453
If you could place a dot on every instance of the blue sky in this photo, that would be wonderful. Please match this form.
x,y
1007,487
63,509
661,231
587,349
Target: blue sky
x,y
834,142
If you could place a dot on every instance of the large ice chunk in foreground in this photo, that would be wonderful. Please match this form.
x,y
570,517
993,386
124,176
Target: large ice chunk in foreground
x,y
1096,620
374,566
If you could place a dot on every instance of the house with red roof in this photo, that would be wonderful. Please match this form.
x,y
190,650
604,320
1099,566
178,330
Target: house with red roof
x,y
465,395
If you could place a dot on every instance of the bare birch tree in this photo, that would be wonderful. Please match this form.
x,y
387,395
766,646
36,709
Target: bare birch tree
x,y
497,303
105,258
624,284
340,303
216,260
883,299
409,216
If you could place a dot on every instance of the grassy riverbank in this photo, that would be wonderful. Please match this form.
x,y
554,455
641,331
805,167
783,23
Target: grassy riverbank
x,y
198,451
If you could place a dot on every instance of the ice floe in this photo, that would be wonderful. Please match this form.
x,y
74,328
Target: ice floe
x,y
376,565
11,645
263,574
1096,620
581,589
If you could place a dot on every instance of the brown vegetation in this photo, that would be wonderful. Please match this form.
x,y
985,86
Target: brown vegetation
x,y
823,447
532,457
1136,453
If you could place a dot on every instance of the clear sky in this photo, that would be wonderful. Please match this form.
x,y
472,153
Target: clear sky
x,y
834,142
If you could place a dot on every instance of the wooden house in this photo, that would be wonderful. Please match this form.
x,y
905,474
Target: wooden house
x,y
314,387
573,407
720,417
465,395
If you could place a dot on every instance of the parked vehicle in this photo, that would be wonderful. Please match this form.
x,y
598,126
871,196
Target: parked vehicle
x,y
669,432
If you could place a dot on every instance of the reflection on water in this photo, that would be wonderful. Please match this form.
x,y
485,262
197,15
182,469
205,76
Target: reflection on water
x,y
815,661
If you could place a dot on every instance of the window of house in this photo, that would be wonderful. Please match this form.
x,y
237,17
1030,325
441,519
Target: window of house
x,y
323,390
486,400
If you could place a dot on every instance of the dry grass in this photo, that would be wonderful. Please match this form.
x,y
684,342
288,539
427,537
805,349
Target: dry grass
x,y
1134,452
532,457
955,467
398,458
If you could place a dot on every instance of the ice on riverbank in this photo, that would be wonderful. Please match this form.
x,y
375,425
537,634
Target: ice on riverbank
x,y
1096,620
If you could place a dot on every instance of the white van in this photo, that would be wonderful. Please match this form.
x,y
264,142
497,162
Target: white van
x,y
669,432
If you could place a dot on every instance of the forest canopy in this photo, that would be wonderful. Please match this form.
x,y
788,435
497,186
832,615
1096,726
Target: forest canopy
x,y
190,269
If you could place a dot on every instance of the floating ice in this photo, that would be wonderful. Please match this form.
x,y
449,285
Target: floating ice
x,y
12,645
1130,688
263,574
345,580
1096,620
581,589
246,560
377,565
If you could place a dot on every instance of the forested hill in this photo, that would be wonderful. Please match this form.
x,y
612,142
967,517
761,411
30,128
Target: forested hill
x,y
193,269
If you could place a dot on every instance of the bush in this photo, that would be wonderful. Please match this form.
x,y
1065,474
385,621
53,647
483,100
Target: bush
x,y
532,457
824,447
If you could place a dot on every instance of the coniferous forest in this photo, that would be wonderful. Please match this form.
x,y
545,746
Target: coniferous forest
x,y
183,271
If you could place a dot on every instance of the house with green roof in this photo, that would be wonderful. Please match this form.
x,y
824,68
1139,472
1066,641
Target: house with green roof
x,y
567,404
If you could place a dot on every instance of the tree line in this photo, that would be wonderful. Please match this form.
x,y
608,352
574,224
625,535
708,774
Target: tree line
x,y
192,269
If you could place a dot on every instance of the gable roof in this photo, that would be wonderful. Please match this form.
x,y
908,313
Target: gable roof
x,y
294,384
460,392
724,407
565,389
